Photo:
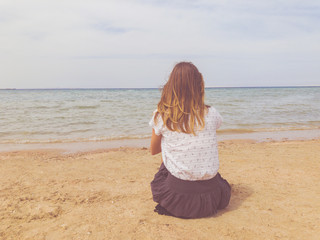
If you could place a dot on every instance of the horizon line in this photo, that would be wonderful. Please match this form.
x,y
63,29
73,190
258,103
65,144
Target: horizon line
x,y
145,88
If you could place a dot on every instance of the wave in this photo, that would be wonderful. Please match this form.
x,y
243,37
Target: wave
x,y
89,139
232,131
34,139
80,123
25,132
270,129
86,107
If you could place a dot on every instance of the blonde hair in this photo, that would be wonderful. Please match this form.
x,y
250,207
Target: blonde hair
x,y
182,105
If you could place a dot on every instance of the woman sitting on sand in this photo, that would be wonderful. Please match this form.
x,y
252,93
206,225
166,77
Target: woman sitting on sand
x,y
187,184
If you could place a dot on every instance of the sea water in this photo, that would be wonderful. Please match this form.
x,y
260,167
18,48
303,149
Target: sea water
x,y
79,115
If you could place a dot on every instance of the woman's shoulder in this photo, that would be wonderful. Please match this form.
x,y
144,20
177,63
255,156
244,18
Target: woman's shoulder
x,y
214,117
213,113
211,110
157,115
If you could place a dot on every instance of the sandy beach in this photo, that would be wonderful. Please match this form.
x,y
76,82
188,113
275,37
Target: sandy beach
x,y
105,194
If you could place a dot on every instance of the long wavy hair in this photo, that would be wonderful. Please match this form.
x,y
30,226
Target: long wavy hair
x,y
182,105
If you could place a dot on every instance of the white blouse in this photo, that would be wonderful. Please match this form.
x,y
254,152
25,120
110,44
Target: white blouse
x,y
190,157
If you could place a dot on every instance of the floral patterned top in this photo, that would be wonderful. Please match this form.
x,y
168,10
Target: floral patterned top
x,y
190,157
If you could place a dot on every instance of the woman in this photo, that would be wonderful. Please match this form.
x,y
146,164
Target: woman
x,y
187,184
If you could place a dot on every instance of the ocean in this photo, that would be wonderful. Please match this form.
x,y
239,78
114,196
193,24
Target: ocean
x,y
81,115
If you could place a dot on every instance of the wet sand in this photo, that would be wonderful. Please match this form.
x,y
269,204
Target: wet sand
x,y
76,146
105,194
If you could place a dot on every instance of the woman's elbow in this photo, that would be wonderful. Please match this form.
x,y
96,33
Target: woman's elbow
x,y
155,146
154,150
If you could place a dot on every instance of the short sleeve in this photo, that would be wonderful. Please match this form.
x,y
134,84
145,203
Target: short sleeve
x,y
158,127
219,120
216,117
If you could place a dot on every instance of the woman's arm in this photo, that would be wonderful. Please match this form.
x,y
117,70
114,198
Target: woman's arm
x,y
155,147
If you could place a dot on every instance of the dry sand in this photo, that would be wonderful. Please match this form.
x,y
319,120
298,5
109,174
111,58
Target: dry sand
x,y
47,194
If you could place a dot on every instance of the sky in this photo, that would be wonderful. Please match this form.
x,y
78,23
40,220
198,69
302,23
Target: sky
x,y
136,43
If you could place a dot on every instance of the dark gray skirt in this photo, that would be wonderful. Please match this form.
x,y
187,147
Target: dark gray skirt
x,y
189,199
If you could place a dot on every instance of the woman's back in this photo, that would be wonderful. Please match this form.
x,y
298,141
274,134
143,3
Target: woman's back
x,y
187,184
189,156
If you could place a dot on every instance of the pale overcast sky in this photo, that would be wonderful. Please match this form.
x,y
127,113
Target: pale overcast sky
x,y
118,43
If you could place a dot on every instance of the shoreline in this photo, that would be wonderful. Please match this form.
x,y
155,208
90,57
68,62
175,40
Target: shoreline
x,y
157,88
87,146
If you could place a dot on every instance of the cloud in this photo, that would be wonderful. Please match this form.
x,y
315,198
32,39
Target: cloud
x,y
38,36
108,28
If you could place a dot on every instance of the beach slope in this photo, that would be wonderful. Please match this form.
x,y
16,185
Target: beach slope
x,y
48,194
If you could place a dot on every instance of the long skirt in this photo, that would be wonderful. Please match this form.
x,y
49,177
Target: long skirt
x,y
189,199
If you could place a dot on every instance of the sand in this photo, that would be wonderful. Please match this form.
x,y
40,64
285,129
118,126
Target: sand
x,y
105,194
